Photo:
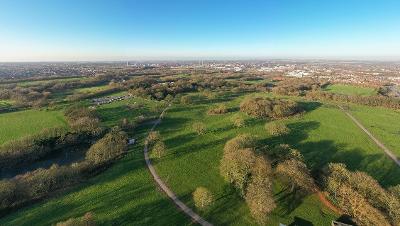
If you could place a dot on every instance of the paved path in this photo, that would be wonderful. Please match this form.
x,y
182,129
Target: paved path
x,y
165,188
377,142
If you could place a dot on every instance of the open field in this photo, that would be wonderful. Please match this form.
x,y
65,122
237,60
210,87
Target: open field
x,y
15,125
383,123
126,188
351,90
123,195
195,160
324,134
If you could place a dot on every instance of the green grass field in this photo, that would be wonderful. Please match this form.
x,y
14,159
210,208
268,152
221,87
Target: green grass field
x,y
382,122
15,125
125,194
194,160
351,90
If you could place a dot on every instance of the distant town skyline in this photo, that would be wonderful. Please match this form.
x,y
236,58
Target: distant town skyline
x,y
121,30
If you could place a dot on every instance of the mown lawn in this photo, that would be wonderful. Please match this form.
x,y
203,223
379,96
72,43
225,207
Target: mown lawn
x,y
323,134
350,90
383,123
15,125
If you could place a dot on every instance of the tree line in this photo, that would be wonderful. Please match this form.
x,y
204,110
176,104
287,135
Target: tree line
x,y
37,184
84,128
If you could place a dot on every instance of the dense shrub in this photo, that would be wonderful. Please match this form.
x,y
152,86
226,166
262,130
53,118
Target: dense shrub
x,y
269,108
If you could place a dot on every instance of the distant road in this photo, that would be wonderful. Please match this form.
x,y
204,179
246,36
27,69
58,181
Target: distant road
x,y
165,188
377,142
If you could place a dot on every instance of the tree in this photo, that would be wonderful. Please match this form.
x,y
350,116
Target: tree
x,y
199,128
395,190
259,195
159,149
277,129
237,161
109,147
297,174
202,197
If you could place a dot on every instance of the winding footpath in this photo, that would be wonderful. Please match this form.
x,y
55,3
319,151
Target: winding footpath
x,y
164,187
389,153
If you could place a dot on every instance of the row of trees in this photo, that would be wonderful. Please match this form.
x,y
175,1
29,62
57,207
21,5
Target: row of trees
x,y
84,128
38,94
297,87
269,108
42,182
250,173
361,196
374,101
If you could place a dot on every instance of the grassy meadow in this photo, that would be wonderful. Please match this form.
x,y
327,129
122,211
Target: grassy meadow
x,y
323,134
125,194
382,122
18,124
351,90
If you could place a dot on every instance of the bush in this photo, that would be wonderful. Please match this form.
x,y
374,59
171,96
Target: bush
x,y
159,149
199,128
218,110
277,129
238,121
202,197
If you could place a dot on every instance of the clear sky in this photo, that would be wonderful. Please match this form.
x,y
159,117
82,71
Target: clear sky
x,y
57,30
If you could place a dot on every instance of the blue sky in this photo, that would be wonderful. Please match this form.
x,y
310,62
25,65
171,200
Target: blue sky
x,y
44,30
